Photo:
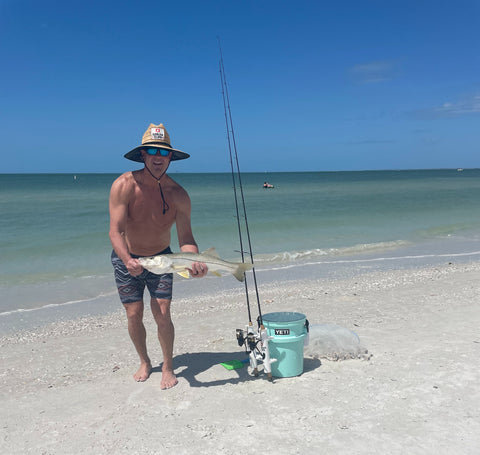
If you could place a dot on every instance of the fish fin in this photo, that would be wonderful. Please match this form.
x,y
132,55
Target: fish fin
x,y
211,252
184,273
215,273
239,272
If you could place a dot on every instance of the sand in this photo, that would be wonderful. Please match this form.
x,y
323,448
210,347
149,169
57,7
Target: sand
x,y
68,388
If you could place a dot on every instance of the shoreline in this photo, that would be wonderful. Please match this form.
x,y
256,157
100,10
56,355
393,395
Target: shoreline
x,y
102,298
213,292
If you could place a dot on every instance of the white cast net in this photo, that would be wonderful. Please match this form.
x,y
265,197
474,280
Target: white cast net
x,y
332,342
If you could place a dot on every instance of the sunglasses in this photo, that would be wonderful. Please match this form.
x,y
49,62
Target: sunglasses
x,y
153,151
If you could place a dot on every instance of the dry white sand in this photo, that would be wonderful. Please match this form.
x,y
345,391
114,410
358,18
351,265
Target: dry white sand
x,y
68,389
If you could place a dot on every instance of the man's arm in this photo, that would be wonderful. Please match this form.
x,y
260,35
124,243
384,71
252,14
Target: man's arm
x,y
118,204
185,236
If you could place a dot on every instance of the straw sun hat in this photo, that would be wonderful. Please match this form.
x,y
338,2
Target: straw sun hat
x,y
156,136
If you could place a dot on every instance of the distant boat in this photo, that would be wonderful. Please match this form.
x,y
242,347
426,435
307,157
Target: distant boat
x,y
459,169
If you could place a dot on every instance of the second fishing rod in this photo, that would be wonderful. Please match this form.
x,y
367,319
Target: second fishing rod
x,y
236,176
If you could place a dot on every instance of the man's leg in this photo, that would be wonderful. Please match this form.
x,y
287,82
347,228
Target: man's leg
x,y
166,336
138,334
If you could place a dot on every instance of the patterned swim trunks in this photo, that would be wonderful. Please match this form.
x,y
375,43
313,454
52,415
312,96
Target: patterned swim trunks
x,y
131,288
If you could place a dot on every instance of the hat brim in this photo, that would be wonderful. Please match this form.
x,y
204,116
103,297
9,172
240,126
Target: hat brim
x,y
136,154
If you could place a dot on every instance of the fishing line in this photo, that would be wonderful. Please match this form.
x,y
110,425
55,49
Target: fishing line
x,y
236,174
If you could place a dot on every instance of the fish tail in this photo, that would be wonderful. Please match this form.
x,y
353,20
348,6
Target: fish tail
x,y
239,272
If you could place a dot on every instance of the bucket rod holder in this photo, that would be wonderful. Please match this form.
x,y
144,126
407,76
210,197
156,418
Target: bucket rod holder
x,y
251,339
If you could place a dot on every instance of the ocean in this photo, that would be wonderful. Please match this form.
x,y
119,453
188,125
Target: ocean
x,y
55,250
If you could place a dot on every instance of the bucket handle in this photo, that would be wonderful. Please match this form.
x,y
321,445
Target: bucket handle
x,y
307,324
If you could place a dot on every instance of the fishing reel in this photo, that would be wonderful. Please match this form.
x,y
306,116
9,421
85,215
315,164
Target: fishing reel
x,y
240,337
250,340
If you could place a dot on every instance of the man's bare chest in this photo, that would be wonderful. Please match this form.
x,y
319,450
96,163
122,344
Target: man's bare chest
x,y
147,208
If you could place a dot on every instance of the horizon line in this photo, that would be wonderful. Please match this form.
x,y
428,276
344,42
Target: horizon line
x,y
249,172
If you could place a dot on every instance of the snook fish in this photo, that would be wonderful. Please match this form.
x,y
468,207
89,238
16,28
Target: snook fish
x,y
180,262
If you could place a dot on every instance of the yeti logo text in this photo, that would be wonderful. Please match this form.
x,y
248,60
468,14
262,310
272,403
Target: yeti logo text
x,y
282,331
158,133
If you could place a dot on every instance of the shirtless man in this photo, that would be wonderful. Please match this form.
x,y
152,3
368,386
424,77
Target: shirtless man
x,y
144,205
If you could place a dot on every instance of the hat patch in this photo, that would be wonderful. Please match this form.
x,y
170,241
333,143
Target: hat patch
x,y
157,134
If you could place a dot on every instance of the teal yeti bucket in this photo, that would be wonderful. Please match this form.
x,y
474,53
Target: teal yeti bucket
x,y
289,330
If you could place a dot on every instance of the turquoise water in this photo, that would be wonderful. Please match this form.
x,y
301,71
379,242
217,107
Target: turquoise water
x,y
54,244
338,210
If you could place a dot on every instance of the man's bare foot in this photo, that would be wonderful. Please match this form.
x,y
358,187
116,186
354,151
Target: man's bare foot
x,y
143,372
169,380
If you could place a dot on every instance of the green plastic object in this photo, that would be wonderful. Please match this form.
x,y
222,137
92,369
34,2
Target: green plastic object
x,y
233,364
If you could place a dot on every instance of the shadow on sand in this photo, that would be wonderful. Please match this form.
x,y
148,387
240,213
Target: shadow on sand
x,y
193,365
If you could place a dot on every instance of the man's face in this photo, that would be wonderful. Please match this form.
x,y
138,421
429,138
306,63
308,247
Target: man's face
x,y
158,162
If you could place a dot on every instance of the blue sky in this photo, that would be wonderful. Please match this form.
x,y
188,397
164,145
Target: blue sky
x,y
313,85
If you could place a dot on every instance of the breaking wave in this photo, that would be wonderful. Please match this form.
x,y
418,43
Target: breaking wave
x,y
323,254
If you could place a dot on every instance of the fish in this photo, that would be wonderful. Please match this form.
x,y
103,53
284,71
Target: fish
x,y
181,262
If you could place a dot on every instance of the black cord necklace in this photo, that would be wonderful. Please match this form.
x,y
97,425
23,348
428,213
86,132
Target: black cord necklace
x,y
165,205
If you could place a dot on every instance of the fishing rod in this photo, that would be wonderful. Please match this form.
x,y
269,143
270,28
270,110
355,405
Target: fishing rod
x,y
252,338
234,154
242,252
